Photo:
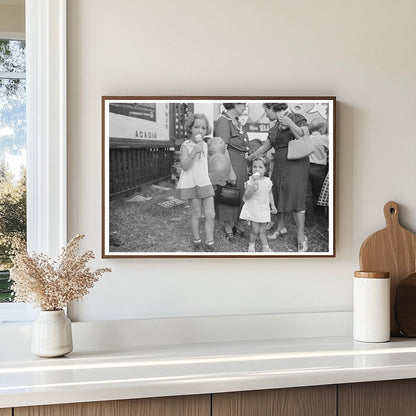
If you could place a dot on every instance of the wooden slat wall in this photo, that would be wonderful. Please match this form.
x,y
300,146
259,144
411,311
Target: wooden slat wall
x,y
5,412
164,406
382,398
132,167
301,401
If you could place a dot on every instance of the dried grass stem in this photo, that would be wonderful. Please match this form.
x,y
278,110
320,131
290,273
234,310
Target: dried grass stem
x,y
53,285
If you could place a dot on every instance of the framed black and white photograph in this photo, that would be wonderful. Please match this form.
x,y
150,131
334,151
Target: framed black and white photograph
x,y
218,176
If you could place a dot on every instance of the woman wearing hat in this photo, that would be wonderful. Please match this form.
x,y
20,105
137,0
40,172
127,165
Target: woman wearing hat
x,y
229,128
289,177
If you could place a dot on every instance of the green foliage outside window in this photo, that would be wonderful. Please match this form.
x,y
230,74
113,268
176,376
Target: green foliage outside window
x,y
12,223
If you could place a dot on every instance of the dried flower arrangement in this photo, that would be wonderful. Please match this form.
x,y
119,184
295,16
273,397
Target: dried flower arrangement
x,y
53,285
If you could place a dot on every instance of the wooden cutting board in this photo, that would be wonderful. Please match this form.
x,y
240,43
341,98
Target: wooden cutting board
x,y
393,250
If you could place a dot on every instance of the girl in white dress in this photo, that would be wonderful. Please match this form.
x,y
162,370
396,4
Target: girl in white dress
x,y
258,202
194,184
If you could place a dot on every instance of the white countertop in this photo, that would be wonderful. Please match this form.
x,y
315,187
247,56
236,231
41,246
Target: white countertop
x,y
151,371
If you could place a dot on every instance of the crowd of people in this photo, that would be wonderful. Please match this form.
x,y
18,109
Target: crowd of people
x,y
279,187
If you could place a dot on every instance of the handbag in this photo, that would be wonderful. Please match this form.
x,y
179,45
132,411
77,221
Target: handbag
x,y
227,195
299,148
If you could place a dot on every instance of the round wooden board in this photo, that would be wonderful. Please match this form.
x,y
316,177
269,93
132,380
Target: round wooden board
x,y
405,305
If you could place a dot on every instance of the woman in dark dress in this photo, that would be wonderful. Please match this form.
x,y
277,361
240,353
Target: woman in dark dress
x,y
228,127
289,177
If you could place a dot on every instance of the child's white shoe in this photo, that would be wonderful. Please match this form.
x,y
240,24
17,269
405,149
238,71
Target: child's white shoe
x,y
303,246
251,248
266,249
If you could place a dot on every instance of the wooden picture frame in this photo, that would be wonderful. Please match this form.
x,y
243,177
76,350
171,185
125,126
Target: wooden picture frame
x,y
149,151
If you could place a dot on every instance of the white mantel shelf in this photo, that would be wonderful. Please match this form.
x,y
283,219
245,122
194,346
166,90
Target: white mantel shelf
x,y
167,370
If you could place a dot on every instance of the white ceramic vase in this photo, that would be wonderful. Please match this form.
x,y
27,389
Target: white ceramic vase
x,y
52,334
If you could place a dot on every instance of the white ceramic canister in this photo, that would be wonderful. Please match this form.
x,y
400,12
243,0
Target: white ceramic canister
x,y
371,309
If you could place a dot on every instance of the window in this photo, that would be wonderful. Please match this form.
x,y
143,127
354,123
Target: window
x,y
12,152
46,135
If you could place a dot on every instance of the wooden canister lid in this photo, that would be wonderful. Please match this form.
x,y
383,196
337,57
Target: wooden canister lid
x,y
372,275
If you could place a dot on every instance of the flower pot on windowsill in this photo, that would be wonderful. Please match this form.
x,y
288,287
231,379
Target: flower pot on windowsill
x,y
52,286
52,334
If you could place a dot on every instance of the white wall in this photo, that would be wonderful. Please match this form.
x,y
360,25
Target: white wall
x,y
12,17
360,51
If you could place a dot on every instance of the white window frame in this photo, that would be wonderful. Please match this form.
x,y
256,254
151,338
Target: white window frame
x,y
46,133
